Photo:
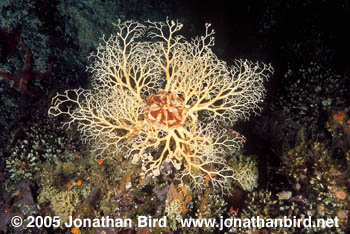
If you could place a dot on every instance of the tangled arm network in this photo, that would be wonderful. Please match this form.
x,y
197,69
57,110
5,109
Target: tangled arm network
x,y
159,100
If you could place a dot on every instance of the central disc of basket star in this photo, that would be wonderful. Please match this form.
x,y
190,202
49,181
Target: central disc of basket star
x,y
165,109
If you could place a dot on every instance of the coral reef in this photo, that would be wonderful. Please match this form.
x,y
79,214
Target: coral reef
x,y
161,141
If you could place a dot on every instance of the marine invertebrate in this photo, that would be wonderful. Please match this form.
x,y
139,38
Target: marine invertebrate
x,y
310,89
79,183
247,166
75,230
22,79
157,97
32,145
64,203
323,191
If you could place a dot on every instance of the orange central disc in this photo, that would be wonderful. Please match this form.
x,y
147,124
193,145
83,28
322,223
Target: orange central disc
x,y
165,109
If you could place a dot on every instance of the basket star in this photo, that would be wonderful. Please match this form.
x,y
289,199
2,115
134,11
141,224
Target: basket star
x,y
161,101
